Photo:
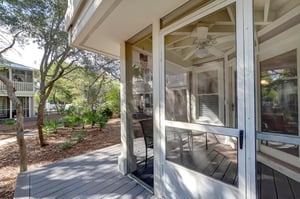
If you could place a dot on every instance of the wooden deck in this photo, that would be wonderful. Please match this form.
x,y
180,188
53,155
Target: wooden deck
x,y
93,175
272,184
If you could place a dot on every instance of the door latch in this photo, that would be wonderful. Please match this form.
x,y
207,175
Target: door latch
x,y
241,139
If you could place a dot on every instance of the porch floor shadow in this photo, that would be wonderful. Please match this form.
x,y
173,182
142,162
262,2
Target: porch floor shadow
x,y
92,175
145,173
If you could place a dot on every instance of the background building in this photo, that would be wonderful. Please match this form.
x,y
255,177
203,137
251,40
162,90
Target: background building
x,y
22,79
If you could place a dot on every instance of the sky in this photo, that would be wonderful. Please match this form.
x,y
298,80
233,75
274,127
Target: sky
x,y
28,55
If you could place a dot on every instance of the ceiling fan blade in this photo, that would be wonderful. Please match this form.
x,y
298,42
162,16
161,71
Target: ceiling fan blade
x,y
180,47
225,39
214,51
190,54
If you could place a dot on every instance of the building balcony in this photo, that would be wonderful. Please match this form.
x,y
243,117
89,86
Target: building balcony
x,y
19,86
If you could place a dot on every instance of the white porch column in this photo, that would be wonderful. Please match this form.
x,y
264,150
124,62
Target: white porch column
x,y
30,106
10,108
157,170
250,114
10,102
127,160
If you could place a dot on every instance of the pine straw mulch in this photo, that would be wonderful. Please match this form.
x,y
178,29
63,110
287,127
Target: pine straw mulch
x,y
37,156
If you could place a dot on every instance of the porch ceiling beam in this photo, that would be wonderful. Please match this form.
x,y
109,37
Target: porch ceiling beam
x,y
230,14
284,19
170,41
229,23
200,61
266,10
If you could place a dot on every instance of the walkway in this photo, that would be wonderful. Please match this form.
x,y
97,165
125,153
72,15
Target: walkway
x,y
14,139
93,175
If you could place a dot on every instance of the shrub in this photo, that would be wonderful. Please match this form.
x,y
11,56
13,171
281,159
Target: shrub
x,y
106,112
65,145
71,121
10,122
51,125
101,121
80,137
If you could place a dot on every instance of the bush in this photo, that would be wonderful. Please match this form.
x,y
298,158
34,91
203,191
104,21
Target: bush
x,y
101,121
10,122
80,136
51,126
106,112
65,145
71,121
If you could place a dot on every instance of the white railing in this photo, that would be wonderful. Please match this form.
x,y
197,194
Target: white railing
x,y
19,86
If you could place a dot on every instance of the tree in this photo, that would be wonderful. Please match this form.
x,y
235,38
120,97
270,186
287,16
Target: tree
x,y
19,109
94,80
43,21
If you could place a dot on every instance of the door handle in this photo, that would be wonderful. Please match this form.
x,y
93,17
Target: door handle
x,y
241,138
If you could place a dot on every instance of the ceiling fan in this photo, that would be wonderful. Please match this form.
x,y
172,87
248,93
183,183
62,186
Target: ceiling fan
x,y
204,44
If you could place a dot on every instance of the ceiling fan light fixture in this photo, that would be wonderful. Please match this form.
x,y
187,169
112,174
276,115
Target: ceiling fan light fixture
x,y
201,53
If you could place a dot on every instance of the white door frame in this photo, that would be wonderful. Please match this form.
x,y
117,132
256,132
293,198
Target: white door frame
x,y
245,65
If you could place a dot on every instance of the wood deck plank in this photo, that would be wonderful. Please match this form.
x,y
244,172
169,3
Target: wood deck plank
x,y
55,179
67,188
99,193
268,189
230,174
144,195
121,191
23,186
213,165
282,186
205,161
137,190
86,176
98,183
258,181
295,186
220,172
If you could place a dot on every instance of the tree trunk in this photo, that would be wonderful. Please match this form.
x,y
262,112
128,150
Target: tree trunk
x,y
20,137
20,121
40,122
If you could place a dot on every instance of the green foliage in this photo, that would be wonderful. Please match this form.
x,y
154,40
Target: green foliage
x,y
112,98
10,122
101,120
50,126
74,140
106,112
84,116
61,94
80,137
66,145
71,121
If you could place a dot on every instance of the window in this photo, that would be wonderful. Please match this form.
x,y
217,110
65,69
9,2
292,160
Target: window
x,y
22,76
209,89
4,72
279,96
